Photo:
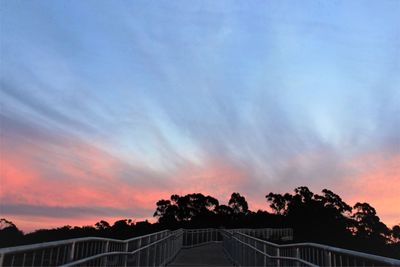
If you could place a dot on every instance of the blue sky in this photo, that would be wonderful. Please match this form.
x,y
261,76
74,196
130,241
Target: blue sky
x,y
173,96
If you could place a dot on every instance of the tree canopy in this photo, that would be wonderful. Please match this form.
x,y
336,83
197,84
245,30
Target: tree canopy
x,y
322,218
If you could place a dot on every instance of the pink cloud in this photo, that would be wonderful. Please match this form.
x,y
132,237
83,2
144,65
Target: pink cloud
x,y
82,175
76,174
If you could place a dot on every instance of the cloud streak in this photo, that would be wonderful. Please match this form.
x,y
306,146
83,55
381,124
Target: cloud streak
x,y
137,103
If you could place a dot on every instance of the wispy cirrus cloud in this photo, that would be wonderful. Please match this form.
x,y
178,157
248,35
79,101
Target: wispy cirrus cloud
x,y
108,108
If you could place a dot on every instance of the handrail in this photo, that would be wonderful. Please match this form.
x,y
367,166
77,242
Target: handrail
x,y
330,248
276,257
70,250
116,252
71,240
243,246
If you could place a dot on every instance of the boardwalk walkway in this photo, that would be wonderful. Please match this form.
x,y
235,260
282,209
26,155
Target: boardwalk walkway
x,y
206,255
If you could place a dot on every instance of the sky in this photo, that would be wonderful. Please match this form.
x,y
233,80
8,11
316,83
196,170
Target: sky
x,y
109,106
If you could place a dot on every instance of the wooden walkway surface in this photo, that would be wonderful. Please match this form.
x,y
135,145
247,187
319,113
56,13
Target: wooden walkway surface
x,y
206,255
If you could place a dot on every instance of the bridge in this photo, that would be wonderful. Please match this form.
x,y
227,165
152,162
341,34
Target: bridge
x,y
189,247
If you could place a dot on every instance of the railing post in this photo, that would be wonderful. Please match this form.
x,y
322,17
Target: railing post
x,y
278,263
148,252
255,253
328,258
72,253
24,258
126,256
297,256
105,250
139,252
265,252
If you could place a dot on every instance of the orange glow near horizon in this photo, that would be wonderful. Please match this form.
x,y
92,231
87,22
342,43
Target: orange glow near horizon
x,y
377,184
90,181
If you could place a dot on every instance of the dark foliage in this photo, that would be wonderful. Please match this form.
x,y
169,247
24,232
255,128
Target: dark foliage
x,y
10,235
324,219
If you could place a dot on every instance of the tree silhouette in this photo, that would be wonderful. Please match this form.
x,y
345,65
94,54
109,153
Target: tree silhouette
x,y
312,214
10,235
396,233
224,210
102,225
183,209
323,218
368,223
238,204
278,203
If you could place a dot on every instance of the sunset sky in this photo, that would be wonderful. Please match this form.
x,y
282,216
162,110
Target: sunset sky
x,y
109,106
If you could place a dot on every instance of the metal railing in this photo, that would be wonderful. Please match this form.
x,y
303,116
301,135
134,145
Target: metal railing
x,y
244,247
272,234
196,237
153,249
246,250
157,252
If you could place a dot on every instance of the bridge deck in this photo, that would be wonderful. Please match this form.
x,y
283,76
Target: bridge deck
x,y
205,255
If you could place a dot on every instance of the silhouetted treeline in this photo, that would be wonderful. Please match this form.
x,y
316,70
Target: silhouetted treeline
x,y
10,235
321,218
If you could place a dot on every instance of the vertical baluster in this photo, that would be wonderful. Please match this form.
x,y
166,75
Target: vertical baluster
x,y
33,259
162,257
71,253
334,259
312,252
166,250
64,256
106,248
50,256
126,244
148,252
23,259
93,246
241,246
82,250
265,256
139,252
255,253
12,260
57,256
168,247
246,255
42,259
160,252
278,255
